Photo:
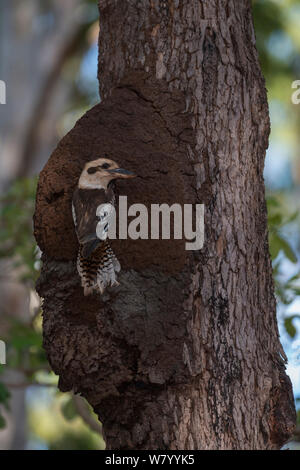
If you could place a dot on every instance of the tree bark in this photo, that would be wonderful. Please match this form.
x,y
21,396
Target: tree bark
x,y
186,353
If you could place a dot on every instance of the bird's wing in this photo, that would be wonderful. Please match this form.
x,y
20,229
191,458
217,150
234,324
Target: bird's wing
x,y
84,209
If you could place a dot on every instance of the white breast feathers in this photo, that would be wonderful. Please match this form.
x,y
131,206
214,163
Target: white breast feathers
x,y
107,214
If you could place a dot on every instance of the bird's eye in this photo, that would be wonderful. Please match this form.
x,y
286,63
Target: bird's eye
x,y
92,170
105,166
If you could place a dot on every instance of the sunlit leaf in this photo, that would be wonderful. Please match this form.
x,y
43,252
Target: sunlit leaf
x,y
68,410
290,328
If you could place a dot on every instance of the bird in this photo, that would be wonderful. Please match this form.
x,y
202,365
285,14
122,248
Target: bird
x,y
92,206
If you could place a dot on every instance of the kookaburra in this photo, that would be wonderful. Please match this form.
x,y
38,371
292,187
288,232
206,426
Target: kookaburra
x,y
96,263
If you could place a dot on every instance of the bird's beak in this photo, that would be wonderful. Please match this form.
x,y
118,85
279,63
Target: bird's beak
x,y
122,173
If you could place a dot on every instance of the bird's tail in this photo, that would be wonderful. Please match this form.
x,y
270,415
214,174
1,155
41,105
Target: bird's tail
x,y
99,270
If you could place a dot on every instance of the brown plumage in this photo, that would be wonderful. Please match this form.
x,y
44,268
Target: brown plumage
x,y
97,264
99,270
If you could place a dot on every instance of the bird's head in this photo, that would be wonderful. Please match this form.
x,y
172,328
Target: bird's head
x,y
97,174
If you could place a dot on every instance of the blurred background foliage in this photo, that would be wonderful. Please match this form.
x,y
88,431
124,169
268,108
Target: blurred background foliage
x,y
59,43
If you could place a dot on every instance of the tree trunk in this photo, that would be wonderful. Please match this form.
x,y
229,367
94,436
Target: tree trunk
x,y
185,354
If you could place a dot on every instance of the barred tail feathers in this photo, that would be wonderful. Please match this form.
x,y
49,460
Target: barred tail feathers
x,y
98,271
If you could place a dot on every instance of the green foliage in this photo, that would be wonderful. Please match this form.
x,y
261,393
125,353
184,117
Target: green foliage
x,y
71,440
278,220
268,18
16,230
298,412
25,348
290,328
68,410
281,249
24,338
4,396
4,401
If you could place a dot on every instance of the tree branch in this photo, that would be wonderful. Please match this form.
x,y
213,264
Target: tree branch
x,y
84,412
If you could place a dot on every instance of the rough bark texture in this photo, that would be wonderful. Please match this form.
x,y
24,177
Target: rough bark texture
x,y
185,353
